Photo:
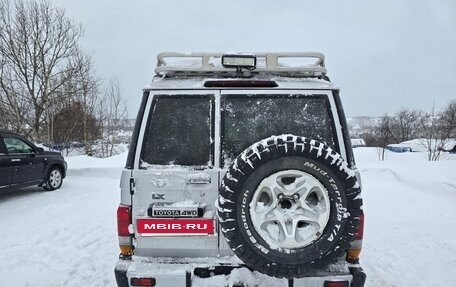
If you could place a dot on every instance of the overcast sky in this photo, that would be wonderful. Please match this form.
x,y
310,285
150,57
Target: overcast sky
x,y
382,55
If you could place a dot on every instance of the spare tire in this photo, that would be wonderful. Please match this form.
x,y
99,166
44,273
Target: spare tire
x,y
288,206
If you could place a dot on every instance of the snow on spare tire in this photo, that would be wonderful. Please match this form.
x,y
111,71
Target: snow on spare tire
x,y
289,205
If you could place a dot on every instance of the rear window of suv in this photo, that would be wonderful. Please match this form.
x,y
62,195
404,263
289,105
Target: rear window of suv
x,y
247,119
179,131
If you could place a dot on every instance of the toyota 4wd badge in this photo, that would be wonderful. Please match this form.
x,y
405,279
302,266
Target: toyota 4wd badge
x,y
156,210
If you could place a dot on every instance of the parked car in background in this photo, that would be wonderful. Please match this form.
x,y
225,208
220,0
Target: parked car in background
x,y
398,148
23,164
358,143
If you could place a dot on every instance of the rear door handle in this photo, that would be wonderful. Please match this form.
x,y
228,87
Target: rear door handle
x,y
198,180
15,159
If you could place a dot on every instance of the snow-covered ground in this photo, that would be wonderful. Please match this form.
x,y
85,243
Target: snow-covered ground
x,y
68,237
410,206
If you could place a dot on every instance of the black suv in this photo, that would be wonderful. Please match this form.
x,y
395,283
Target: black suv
x,y
23,164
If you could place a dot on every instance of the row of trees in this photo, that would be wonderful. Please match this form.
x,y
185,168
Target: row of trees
x,y
434,129
49,89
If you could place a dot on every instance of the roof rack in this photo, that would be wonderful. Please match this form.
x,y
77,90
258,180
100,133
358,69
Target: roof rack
x,y
277,63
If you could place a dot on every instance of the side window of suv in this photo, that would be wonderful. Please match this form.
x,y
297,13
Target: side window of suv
x,y
15,145
2,149
179,131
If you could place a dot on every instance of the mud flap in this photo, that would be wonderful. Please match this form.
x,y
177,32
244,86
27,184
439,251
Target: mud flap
x,y
359,277
121,276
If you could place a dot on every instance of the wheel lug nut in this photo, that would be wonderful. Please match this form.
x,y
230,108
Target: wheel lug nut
x,y
296,196
281,196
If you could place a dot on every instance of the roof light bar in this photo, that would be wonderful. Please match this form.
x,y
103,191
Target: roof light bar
x,y
239,61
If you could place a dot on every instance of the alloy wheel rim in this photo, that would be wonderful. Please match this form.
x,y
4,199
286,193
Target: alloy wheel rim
x,y
55,178
290,209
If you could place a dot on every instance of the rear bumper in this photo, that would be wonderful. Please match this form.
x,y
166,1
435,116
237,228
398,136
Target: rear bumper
x,y
200,272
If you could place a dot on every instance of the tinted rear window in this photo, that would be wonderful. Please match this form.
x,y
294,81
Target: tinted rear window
x,y
178,132
251,118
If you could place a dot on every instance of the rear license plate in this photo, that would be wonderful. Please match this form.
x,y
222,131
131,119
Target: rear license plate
x,y
175,227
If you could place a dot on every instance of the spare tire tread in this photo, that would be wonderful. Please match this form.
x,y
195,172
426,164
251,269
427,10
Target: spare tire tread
x,y
265,151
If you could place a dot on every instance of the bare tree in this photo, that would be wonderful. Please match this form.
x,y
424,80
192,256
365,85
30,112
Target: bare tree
x,y
448,120
81,96
38,44
89,96
14,107
435,134
113,114
383,135
405,125
71,124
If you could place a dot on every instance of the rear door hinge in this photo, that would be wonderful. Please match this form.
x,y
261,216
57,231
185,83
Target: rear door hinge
x,y
132,185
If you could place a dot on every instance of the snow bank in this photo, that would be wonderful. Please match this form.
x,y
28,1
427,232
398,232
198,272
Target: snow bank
x,y
409,206
83,161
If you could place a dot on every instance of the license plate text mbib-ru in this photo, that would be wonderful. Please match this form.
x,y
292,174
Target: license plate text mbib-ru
x,y
170,227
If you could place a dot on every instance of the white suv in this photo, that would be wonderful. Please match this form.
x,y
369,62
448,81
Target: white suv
x,y
240,173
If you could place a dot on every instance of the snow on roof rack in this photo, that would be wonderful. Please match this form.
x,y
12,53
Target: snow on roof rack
x,y
295,64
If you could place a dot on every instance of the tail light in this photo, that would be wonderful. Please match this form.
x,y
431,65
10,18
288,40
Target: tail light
x,y
336,284
142,282
123,229
356,245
